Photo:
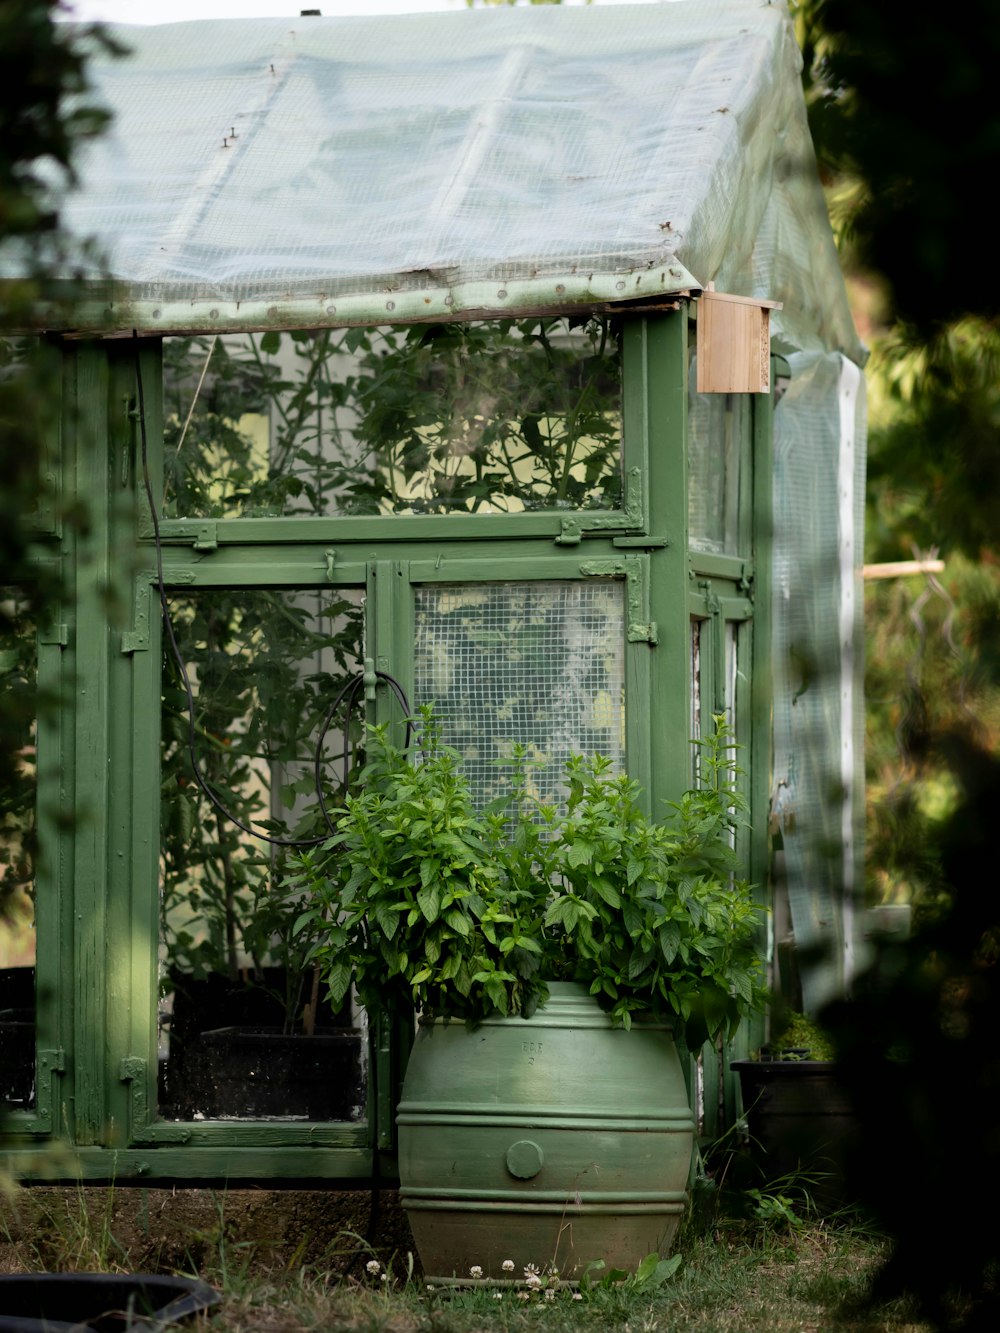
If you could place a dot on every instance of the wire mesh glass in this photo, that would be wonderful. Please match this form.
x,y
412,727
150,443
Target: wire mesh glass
x,y
537,664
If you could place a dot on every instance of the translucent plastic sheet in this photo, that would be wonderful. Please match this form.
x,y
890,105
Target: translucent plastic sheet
x,y
334,170
818,710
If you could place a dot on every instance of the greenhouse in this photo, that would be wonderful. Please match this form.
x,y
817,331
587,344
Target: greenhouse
x,y
498,361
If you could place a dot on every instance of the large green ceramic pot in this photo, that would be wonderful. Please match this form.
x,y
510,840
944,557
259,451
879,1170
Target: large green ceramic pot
x,y
557,1139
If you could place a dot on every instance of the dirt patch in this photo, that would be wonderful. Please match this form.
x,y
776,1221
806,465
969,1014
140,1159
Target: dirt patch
x,y
142,1229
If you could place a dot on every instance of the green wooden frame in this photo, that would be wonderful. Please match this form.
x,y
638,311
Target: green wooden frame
x,y
97,913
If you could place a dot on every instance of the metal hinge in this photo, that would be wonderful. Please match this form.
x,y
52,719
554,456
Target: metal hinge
x,y
573,526
570,531
133,1072
712,603
635,570
49,1066
206,537
641,543
136,639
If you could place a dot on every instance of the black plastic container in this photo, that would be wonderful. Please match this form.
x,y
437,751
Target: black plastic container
x,y
802,1125
107,1303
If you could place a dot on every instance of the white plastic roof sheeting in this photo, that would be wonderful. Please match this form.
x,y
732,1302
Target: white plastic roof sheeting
x,y
337,170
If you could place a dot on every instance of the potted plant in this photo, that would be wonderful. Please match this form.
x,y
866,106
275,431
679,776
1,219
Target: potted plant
x,y
551,955
800,1121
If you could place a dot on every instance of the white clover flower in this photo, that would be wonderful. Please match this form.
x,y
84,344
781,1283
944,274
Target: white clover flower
x,y
475,1271
373,1266
578,1295
385,1277
508,1265
498,1295
533,1280
524,1295
531,1270
550,1293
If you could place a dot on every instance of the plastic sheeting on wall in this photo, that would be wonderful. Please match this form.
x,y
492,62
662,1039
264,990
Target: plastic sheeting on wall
x,y
819,469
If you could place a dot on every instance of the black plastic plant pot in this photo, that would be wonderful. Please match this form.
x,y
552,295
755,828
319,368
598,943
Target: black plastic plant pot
x,y
107,1303
802,1126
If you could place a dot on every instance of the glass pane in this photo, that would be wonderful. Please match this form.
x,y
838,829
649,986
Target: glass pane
x,y
696,721
716,425
732,671
496,417
245,1029
18,673
538,664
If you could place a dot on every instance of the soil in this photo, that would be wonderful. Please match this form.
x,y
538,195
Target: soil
x,y
141,1229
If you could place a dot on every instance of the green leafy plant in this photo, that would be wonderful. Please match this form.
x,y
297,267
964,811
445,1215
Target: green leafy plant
x,y
500,415
264,666
652,1273
492,416
795,1036
467,914
774,1209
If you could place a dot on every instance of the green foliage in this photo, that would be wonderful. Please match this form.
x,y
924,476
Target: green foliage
x,y
899,154
469,914
266,666
932,675
915,147
45,115
19,685
797,1035
259,707
774,1209
935,465
408,896
652,1273
501,415
507,414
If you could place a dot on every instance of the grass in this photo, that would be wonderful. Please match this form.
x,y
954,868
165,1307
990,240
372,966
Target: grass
x,y
780,1269
810,1278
